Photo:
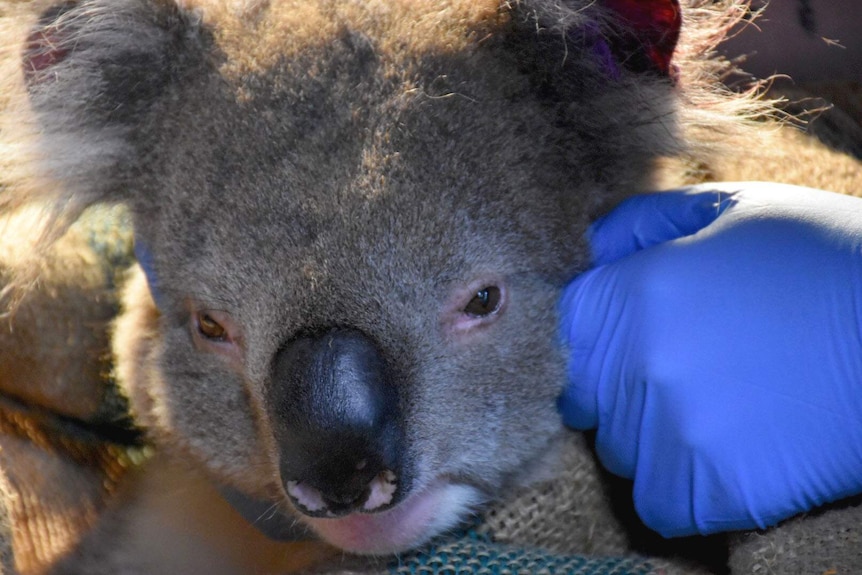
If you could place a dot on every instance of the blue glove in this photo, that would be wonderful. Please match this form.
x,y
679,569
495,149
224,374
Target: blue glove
x,y
717,347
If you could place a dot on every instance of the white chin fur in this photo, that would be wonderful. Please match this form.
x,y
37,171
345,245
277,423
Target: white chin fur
x,y
437,508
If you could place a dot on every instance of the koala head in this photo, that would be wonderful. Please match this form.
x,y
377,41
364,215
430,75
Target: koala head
x,y
354,219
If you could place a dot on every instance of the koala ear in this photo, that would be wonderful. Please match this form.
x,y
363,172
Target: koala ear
x,y
92,71
613,36
642,34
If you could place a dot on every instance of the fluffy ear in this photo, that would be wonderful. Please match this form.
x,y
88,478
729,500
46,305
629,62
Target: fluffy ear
x,y
92,71
613,36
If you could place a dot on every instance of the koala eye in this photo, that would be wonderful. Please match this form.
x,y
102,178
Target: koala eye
x,y
474,306
210,328
485,302
215,331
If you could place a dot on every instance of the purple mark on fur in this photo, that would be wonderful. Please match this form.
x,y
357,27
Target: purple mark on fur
x,y
607,62
600,48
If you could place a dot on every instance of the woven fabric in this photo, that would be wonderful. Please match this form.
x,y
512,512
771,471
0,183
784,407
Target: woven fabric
x,y
569,514
55,350
66,438
474,556
824,543
56,481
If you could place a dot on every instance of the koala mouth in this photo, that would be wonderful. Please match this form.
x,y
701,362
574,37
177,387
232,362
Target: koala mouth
x,y
439,506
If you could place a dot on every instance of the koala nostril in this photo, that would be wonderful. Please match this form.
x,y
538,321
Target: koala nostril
x,y
378,493
381,491
307,497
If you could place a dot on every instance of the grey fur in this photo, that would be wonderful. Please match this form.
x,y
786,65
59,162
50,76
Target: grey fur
x,y
360,175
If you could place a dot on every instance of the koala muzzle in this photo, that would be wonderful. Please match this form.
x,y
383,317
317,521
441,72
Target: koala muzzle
x,y
334,413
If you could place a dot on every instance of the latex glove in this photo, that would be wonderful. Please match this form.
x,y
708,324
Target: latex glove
x,y
723,369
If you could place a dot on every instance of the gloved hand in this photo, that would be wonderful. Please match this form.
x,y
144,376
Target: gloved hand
x,y
717,346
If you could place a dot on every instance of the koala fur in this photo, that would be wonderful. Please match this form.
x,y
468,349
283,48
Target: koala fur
x,y
359,171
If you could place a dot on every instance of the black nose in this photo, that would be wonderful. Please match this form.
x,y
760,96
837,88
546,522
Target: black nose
x,y
334,414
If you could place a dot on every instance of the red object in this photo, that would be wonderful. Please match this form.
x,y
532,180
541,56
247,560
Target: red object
x,y
41,52
648,33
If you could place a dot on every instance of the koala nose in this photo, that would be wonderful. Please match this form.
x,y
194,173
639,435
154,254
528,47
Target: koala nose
x,y
335,420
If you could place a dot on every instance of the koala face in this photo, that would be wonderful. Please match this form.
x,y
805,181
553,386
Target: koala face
x,y
355,219
382,289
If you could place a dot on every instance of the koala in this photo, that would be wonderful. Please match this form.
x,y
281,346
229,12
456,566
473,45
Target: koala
x,y
352,221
